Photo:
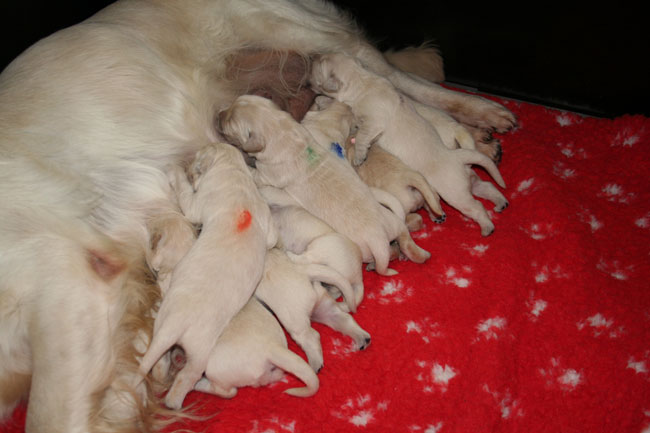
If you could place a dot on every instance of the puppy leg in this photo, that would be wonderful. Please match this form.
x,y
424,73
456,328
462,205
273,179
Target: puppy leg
x,y
488,191
473,209
328,313
414,222
210,387
486,144
411,249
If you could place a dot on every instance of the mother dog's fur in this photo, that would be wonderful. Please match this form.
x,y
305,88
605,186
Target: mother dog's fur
x,y
89,118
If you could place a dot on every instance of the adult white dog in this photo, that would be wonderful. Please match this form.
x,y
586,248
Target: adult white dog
x,y
89,118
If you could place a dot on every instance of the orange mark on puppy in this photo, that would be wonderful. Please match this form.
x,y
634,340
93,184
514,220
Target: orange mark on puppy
x,y
244,221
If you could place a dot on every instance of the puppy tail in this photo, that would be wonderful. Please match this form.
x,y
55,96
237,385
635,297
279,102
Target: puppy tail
x,y
294,364
388,200
162,341
430,195
325,274
478,158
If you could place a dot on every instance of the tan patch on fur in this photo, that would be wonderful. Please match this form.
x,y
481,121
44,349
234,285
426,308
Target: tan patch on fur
x,y
14,388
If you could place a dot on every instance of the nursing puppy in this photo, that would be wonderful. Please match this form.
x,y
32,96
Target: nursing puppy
x,y
253,351
218,275
389,120
288,157
328,122
287,288
307,239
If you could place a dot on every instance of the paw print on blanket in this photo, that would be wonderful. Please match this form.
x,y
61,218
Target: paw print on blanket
x,y
615,193
508,407
491,329
457,277
615,269
425,328
429,428
392,292
535,307
601,326
273,425
435,376
543,273
587,217
539,231
627,138
556,376
360,411
640,365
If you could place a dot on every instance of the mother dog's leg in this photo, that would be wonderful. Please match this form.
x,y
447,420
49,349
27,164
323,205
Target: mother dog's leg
x,y
318,27
73,308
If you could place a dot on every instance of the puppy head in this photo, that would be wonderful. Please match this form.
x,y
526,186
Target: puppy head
x,y
326,74
240,123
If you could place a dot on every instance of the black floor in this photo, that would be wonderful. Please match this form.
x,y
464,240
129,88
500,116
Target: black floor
x,y
593,61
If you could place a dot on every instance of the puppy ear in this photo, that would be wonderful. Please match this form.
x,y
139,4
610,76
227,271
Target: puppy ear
x,y
254,143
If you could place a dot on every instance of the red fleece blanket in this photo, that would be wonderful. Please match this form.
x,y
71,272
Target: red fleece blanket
x,y
541,327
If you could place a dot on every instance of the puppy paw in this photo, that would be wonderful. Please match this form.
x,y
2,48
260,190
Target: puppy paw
x,y
501,207
363,344
492,148
487,230
440,219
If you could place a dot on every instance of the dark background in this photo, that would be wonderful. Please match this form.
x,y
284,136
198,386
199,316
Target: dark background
x,y
592,60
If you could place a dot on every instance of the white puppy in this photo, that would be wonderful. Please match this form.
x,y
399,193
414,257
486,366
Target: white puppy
x,y
332,122
288,290
253,351
307,239
214,280
387,118
288,157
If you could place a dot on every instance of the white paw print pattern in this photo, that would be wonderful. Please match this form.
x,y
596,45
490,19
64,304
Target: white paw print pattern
x,y
477,250
436,377
615,269
342,348
639,366
626,138
543,273
587,217
615,193
360,411
539,231
601,326
571,151
425,328
643,222
273,425
508,406
458,277
392,292
535,307
525,187
566,379
491,329
561,170
429,428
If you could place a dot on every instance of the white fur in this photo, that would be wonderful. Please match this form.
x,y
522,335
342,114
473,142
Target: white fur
x,y
288,289
89,119
215,279
253,351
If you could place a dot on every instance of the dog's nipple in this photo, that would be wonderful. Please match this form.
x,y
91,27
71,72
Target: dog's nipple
x,y
244,221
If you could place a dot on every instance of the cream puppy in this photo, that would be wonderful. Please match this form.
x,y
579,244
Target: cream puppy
x,y
388,119
455,135
307,239
288,157
253,351
214,280
288,290
329,122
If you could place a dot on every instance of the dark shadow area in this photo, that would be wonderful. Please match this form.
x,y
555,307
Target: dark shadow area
x,y
593,61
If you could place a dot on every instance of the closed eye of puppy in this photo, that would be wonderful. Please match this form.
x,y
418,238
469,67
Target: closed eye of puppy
x,y
217,276
388,119
287,289
288,157
253,351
